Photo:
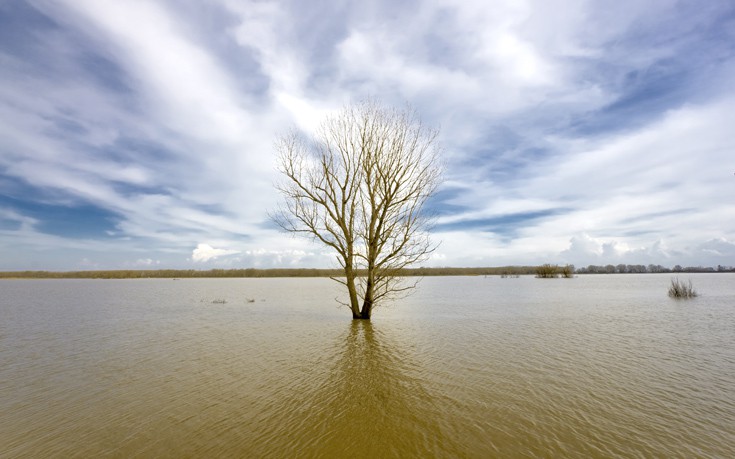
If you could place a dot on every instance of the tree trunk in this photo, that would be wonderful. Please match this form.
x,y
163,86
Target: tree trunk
x,y
365,312
367,304
352,290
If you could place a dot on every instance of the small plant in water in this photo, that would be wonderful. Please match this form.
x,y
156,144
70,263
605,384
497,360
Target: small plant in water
x,y
219,301
681,289
547,271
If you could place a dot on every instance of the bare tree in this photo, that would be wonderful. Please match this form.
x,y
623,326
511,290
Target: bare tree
x,y
359,186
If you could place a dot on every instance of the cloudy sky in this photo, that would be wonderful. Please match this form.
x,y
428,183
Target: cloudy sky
x,y
140,133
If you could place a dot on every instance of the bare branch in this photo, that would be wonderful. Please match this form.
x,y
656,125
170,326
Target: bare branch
x,y
360,187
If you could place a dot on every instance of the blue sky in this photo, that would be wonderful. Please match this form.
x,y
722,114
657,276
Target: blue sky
x,y
139,134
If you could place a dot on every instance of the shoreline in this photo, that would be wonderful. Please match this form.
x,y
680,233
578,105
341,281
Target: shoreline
x,y
508,271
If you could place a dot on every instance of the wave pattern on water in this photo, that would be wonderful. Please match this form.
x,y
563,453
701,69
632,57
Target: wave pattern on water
x,y
600,366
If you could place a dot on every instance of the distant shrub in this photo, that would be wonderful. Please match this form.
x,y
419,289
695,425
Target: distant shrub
x,y
509,272
547,271
219,301
680,289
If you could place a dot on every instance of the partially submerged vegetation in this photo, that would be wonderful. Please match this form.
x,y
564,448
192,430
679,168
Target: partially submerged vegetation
x,y
681,289
359,185
548,271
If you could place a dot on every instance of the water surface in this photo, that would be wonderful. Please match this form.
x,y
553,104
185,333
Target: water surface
x,y
596,366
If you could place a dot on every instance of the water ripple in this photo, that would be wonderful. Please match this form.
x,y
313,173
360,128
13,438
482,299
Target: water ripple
x,y
509,368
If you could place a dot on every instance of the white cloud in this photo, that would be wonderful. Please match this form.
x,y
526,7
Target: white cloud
x,y
719,247
205,252
585,250
183,81
24,223
146,262
583,246
168,124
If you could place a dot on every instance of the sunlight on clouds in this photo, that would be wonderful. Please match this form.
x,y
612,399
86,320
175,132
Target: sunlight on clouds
x,y
646,181
307,115
261,29
191,133
183,81
572,129
502,49
585,250
584,247
658,153
522,61
370,60
205,252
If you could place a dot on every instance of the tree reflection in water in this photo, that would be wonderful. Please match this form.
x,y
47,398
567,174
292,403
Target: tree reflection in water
x,y
370,403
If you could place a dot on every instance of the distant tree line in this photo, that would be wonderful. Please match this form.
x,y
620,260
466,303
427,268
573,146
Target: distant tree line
x,y
254,273
505,271
640,269
170,273
546,270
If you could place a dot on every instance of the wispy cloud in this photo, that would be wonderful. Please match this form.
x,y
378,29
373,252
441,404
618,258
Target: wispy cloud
x,y
572,129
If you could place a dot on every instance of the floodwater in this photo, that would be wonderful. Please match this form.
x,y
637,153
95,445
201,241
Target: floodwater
x,y
596,366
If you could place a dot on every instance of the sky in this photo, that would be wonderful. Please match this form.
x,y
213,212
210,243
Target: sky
x,y
140,134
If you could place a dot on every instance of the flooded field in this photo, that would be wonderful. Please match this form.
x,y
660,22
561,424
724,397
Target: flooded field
x,y
596,366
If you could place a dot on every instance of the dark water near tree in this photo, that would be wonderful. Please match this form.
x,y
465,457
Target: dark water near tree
x,y
596,366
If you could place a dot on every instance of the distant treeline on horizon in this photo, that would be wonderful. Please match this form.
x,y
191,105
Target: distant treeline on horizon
x,y
255,273
653,269
314,272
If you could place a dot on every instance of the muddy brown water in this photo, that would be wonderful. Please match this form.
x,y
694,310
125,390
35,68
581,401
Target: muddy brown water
x,y
596,366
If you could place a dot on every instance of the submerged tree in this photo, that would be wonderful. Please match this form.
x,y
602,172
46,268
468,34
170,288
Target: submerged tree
x,y
359,186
